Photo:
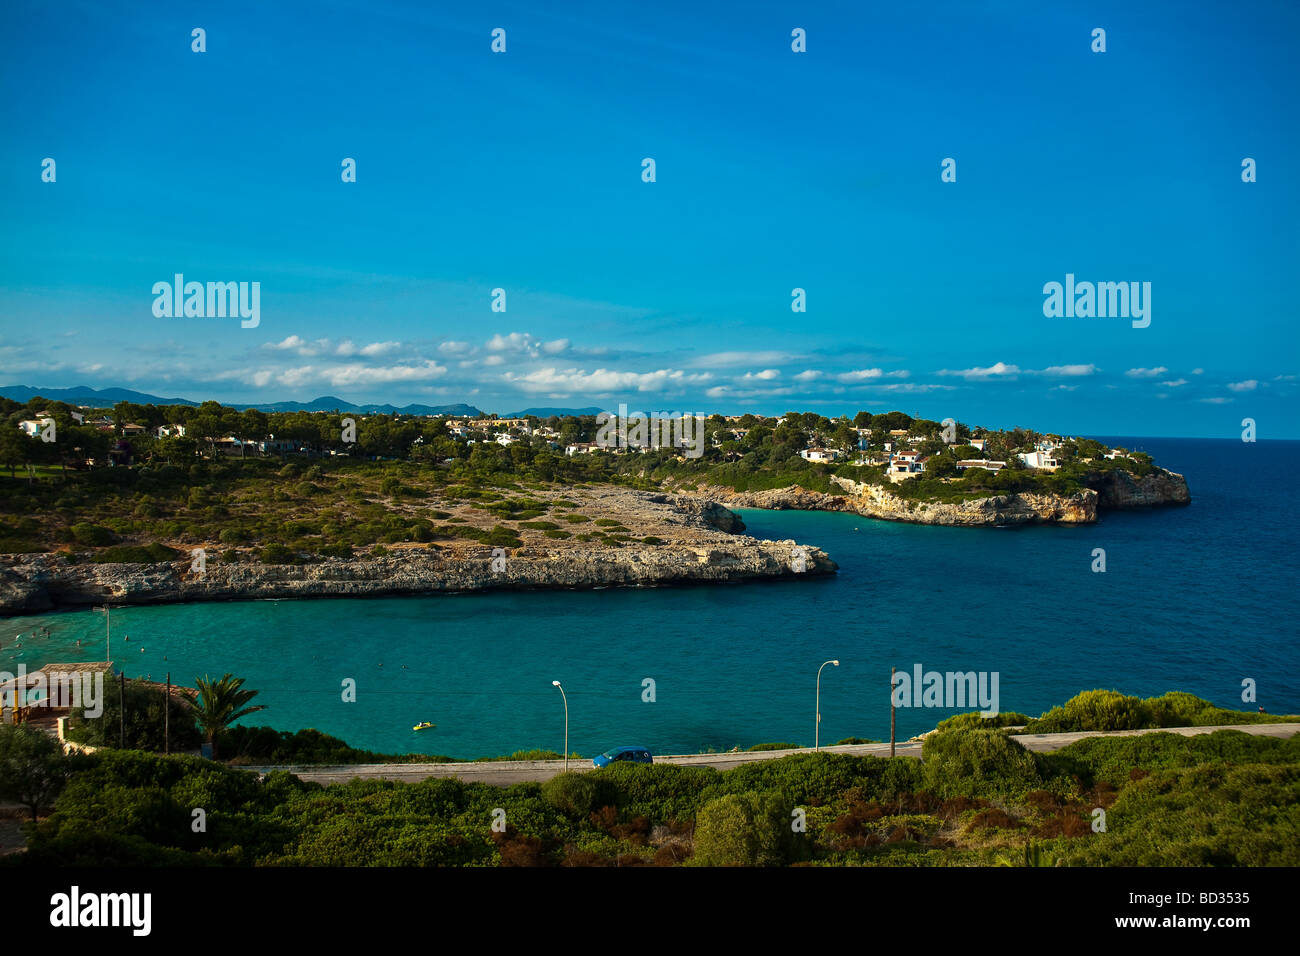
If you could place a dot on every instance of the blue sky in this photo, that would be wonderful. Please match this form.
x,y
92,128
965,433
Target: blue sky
x,y
775,170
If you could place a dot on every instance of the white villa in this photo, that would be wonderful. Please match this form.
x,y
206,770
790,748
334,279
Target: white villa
x,y
1039,459
820,454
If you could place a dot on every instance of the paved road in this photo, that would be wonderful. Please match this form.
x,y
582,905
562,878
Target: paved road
x,y
505,772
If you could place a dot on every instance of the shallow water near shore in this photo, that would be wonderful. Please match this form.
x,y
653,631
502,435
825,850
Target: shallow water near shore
x,y
1193,599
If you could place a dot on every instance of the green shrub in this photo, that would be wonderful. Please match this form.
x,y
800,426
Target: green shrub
x,y
92,535
277,554
144,723
135,554
751,829
577,794
972,720
20,546
1092,710
502,537
1209,815
976,763
1111,710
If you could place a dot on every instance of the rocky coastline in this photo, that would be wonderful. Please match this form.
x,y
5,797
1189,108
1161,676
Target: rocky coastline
x,y
703,541
704,545
1115,490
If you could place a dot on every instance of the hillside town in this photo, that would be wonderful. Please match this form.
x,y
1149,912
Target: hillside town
x,y
901,446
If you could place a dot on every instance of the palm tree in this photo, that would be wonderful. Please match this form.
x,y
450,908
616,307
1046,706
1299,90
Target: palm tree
x,y
220,704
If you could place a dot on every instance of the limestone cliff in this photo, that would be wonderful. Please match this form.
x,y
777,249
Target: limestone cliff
x,y
39,582
873,501
1113,489
1119,489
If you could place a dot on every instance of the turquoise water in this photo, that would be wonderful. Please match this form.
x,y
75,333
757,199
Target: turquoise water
x,y
1193,599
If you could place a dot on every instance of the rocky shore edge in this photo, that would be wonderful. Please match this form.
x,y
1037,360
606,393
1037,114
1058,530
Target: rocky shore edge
x,y
32,583
1116,490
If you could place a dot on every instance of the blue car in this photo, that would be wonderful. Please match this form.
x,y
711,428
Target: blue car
x,y
624,755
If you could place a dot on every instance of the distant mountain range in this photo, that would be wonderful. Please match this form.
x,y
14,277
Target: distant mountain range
x,y
107,397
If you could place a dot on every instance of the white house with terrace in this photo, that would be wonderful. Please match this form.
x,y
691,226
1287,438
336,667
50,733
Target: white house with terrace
x,y
820,454
1041,460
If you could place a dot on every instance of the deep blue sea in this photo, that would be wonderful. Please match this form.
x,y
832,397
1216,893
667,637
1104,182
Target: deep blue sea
x,y
1193,599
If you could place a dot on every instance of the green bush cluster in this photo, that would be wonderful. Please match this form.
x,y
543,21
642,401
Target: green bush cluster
x,y
1111,710
977,798
135,554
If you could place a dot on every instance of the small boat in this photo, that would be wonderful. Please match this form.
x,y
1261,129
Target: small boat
x,y
425,725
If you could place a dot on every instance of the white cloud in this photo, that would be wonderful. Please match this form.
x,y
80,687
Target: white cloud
x,y
455,348
602,381
765,376
869,374
1175,383
1147,372
909,388
808,375
352,374
999,370
1217,401
297,343
770,357
1068,371
860,375
376,349
1249,385
292,342
514,342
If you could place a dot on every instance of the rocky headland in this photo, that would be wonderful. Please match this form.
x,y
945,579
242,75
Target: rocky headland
x,y
694,541
1111,490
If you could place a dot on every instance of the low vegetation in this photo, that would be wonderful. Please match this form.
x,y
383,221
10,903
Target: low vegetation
x,y
976,797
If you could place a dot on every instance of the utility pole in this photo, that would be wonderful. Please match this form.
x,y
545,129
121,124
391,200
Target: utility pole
x,y
893,712
108,631
167,717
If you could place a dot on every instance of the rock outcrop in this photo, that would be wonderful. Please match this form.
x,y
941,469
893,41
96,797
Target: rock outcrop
x,y
40,582
1114,489
874,501
1119,489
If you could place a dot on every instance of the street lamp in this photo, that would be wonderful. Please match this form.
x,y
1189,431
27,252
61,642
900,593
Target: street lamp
x,y
556,683
817,738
